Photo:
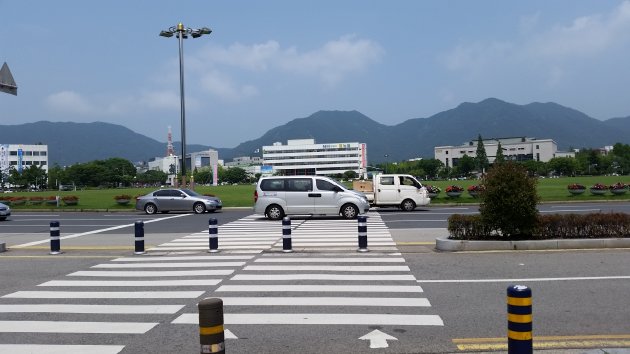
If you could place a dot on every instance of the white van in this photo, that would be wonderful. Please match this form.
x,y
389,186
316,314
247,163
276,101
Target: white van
x,y
278,196
394,190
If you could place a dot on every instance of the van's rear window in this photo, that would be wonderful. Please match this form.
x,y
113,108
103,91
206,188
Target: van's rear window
x,y
272,184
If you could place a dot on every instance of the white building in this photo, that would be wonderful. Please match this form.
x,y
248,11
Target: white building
x,y
22,156
168,165
304,157
171,165
251,164
517,149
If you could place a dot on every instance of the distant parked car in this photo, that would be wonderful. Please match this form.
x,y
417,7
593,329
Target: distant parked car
x,y
165,200
5,211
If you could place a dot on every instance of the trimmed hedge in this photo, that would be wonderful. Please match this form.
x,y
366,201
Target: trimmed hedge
x,y
558,226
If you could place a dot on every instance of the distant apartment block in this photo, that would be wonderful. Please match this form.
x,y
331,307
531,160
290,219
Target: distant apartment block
x,y
516,149
22,156
305,157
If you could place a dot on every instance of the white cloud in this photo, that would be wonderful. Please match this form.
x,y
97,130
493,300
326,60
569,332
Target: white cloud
x,y
552,55
225,88
69,102
330,63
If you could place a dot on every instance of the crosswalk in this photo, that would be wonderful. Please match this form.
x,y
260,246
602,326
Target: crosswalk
x,y
324,282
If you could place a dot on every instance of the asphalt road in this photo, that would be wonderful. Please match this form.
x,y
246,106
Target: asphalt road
x,y
580,297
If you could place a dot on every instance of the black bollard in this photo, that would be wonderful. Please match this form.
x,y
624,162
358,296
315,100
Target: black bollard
x,y
286,235
139,238
211,331
55,241
519,307
363,242
214,235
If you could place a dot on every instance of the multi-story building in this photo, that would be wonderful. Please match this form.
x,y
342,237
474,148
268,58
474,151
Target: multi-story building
x,y
251,164
517,149
22,156
305,157
171,165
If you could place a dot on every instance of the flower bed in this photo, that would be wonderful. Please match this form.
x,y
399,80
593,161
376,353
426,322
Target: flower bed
x,y
598,189
18,200
432,191
36,200
475,189
70,199
122,199
51,200
576,188
454,191
618,188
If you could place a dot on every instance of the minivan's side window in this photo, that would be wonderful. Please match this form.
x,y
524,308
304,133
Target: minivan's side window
x,y
275,184
299,184
324,185
387,181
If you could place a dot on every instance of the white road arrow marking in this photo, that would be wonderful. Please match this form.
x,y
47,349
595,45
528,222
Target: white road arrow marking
x,y
229,335
378,339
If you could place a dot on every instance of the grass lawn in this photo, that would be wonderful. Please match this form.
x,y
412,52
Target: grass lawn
x,y
550,189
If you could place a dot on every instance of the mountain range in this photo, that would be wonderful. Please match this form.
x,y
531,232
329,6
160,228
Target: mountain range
x,y
69,143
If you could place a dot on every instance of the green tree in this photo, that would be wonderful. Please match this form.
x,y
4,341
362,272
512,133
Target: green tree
x,y
465,165
499,158
481,158
508,203
235,175
565,166
349,175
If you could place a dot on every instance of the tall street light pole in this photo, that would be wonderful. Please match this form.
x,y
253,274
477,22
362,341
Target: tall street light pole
x,y
182,33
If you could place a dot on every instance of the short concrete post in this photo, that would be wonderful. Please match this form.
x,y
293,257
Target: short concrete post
x,y
55,241
213,230
519,308
211,331
363,242
286,235
139,237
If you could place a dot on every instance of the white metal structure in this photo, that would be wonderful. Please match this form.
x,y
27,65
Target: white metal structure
x,y
305,157
22,156
517,149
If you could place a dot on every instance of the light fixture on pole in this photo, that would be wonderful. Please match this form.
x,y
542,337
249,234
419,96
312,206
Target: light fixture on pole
x,y
182,33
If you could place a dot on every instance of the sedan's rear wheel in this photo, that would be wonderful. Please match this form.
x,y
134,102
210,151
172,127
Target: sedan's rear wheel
x,y
199,208
150,208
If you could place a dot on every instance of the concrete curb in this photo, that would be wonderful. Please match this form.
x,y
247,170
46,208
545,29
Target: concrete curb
x,y
446,245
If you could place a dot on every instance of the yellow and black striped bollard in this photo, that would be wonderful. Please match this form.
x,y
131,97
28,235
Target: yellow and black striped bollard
x,y
519,308
211,336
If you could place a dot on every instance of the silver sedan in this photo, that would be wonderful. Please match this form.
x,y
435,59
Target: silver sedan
x,y
165,200
5,211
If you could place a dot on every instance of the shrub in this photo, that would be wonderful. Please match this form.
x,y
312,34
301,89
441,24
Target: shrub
x,y
575,186
508,204
432,189
599,186
618,185
554,226
70,198
454,188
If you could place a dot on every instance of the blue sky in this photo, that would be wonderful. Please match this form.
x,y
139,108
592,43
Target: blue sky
x,y
268,62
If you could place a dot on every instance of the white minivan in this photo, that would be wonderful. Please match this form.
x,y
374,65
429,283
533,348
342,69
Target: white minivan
x,y
278,196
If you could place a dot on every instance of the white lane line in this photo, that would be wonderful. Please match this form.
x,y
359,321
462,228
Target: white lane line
x,y
289,255
60,349
221,242
149,273
134,283
228,238
331,260
189,258
323,288
297,243
334,268
95,231
169,265
196,248
105,294
569,210
520,280
325,301
319,319
349,277
75,327
102,309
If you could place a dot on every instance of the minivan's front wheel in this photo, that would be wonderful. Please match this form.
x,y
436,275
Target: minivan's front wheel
x,y
408,205
274,212
349,211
